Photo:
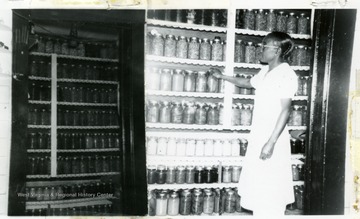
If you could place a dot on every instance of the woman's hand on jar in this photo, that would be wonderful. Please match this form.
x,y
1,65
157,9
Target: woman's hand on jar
x,y
215,72
267,150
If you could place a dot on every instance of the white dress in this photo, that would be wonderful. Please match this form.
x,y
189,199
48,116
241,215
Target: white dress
x,y
268,183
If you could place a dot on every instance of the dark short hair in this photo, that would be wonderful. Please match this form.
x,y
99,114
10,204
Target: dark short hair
x,y
286,43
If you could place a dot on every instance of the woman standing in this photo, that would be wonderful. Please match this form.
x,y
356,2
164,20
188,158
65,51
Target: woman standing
x,y
266,184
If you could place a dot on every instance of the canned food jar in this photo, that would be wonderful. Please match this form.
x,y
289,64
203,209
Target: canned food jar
x,y
165,112
190,147
200,114
181,147
197,202
170,175
235,174
194,48
209,202
161,146
207,174
201,82
218,144
151,146
180,175
151,203
182,47
212,115
190,174
189,81
258,52
305,85
243,146
236,115
249,19
216,50
171,147
291,24
293,146
260,20
301,55
246,115
153,79
170,46
303,24
221,113
271,21
161,174
178,80
217,194
250,53
199,174
226,174
177,113
235,147
158,45
230,202
173,204
161,203
185,202
281,21
191,16
200,148
205,49
209,147
212,84
239,51
166,79
226,148
296,116
189,113
153,112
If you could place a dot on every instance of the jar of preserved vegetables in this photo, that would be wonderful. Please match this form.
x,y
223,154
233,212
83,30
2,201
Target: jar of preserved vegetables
x,y
281,22
189,81
177,113
41,44
161,174
243,146
230,201
161,203
226,174
205,49
194,48
250,53
161,146
296,116
153,112
235,174
173,204
165,112
153,79
158,45
212,84
291,23
199,147
181,147
235,147
182,47
238,201
151,203
220,107
239,51
166,79
189,113
171,147
208,174
260,20
201,82
190,174
148,42
49,46
246,115
199,174
303,24
218,145
212,115
180,175
170,175
295,172
178,80
190,147
209,201
236,114
197,202
300,168
258,52
226,148
217,194
249,19
216,50
209,147
200,114
223,43
170,46
57,47
271,21
185,202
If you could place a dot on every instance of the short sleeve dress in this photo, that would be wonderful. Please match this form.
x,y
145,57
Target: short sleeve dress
x,y
268,182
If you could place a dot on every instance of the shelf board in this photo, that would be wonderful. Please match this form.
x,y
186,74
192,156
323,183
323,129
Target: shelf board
x,y
172,24
39,126
36,78
87,150
39,102
300,98
4,27
86,104
243,96
195,127
86,81
184,94
88,127
86,174
38,176
196,135
259,66
264,33
38,150
75,57
68,203
184,61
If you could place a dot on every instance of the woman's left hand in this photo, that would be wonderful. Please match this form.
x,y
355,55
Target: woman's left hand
x,y
267,151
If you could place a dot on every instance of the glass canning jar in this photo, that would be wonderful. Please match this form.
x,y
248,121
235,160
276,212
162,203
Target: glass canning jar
x,y
153,79
301,55
246,115
218,146
236,115
158,45
151,203
199,174
190,174
197,202
173,204
216,50
209,147
180,177
235,147
171,147
177,113
235,174
185,202
153,112
207,174
305,85
190,147
182,47
165,112
209,202
212,115
303,24
226,148
220,107
170,46
239,51
281,21
161,203
258,52
250,52
178,80
271,21
189,113
212,84
161,146
170,175
181,147
166,79
205,49
200,114
296,116
200,147
194,48
201,82
295,172
249,19
161,174
291,24
226,174
230,202
260,20
189,81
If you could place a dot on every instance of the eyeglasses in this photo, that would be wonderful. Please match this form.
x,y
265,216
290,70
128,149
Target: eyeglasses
x,y
268,46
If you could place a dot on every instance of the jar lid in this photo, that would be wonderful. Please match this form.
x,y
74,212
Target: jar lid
x,y
205,40
180,167
236,167
261,10
292,13
169,36
161,167
199,168
216,40
166,103
166,70
190,167
226,167
259,44
249,43
170,167
174,194
178,71
202,72
238,41
301,46
182,37
189,71
281,12
185,192
243,140
208,167
194,39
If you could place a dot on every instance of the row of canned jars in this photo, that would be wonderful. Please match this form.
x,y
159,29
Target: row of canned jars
x,y
193,202
298,115
39,116
87,164
91,210
39,165
271,20
185,48
196,113
65,192
86,94
183,81
199,147
87,118
190,174
73,141
297,146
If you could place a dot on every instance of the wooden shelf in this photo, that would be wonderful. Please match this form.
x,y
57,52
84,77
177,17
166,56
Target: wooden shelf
x,y
86,81
87,150
36,78
68,203
38,176
184,94
195,127
39,126
172,24
38,150
264,33
184,61
40,102
87,104
87,174
259,66
75,57
88,127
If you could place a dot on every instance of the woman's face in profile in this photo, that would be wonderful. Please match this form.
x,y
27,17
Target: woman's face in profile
x,y
269,50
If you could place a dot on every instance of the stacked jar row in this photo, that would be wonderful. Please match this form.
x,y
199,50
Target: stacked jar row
x,y
193,202
87,95
186,113
39,140
242,90
297,146
299,198
90,210
260,20
182,47
297,172
217,17
183,80
87,72
88,164
303,86
39,116
242,114
88,141
297,116
40,68
87,118
301,56
39,165
64,192
40,92
199,147
64,47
